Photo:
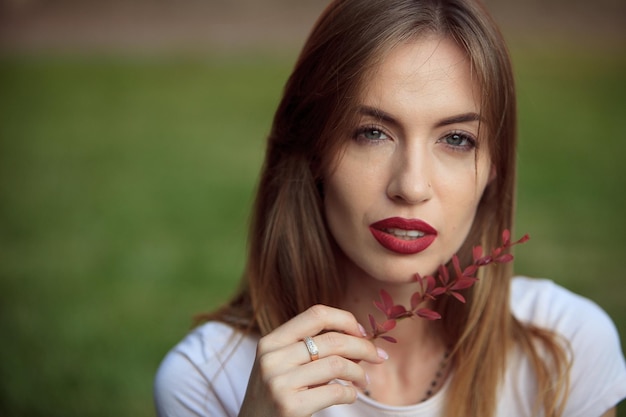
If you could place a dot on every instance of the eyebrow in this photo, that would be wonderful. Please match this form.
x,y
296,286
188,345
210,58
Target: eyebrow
x,y
386,117
460,118
378,114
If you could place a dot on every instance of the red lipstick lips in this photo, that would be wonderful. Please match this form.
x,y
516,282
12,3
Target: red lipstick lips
x,y
403,236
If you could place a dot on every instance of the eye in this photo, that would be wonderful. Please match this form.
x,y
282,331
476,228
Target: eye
x,y
459,141
370,134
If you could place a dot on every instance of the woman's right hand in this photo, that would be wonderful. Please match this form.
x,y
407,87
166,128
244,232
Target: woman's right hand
x,y
286,382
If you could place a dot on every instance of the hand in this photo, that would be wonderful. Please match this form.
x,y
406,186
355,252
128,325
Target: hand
x,y
285,382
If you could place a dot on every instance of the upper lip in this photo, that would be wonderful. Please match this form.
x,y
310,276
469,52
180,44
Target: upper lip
x,y
405,224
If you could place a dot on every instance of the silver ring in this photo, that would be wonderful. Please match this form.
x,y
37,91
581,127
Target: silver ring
x,y
312,348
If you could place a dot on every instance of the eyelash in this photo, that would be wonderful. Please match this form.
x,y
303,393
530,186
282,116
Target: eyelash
x,y
358,134
469,146
471,142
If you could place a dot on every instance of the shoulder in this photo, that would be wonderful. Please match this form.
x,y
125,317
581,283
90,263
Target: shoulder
x,y
598,369
545,304
206,373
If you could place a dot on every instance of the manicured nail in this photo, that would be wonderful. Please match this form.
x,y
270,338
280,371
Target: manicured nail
x,y
382,354
362,330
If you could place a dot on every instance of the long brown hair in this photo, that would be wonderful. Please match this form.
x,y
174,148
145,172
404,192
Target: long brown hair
x,y
291,260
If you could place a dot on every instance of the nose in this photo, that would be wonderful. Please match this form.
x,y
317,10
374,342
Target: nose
x,y
410,181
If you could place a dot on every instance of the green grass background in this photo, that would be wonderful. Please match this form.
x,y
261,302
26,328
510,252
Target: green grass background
x,y
125,187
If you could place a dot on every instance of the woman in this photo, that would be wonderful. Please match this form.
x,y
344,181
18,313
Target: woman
x,y
392,149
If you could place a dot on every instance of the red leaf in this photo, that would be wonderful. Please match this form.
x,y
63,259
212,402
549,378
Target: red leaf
x,y
523,239
396,311
380,306
496,252
438,291
423,282
443,276
373,323
477,252
485,260
504,258
457,296
416,299
470,271
431,283
457,266
463,283
428,314
388,325
387,300
389,339
506,237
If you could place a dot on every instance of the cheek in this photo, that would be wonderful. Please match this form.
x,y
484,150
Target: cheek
x,y
461,193
350,187
341,201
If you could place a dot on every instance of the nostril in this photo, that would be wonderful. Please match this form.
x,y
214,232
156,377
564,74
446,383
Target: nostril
x,y
409,191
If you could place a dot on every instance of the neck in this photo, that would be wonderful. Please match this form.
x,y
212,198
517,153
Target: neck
x,y
414,335
415,361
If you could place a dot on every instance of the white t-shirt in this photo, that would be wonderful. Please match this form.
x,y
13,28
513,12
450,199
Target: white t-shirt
x,y
204,376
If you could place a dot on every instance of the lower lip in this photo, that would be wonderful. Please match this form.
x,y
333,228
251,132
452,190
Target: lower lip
x,y
402,246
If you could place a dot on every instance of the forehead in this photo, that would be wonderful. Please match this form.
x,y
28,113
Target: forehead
x,y
431,74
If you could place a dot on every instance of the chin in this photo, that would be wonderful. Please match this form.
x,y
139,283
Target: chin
x,y
395,276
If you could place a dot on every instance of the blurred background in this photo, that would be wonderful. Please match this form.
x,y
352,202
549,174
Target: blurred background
x,y
131,135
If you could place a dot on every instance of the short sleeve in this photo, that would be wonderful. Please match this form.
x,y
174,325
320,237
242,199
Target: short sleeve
x,y
598,374
181,390
206,374
598,368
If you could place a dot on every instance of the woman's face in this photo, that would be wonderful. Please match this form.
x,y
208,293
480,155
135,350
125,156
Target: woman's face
x,y
402,196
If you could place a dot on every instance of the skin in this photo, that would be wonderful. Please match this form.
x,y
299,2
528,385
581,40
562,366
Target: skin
x,y
285,382
413,163
422,160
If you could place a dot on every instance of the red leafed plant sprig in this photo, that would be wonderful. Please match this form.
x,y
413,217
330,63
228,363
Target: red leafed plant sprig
x,y
441,283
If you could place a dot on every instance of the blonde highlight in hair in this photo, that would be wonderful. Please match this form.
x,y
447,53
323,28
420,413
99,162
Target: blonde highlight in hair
x,y
291,255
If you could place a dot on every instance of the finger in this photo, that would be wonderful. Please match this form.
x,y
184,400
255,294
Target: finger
x,y
310,401
347,346
329,344
318,373
329,369
311,322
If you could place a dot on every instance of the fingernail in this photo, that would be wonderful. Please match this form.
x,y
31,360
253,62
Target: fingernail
x,y
382,354
362,330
